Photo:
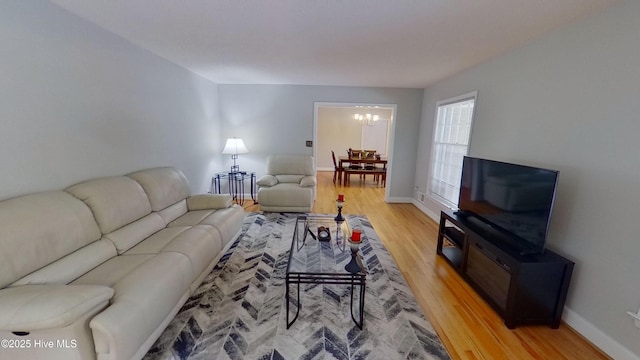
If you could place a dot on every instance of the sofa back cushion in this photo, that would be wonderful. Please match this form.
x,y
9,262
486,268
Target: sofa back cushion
x,y
38,229
115,201
164,186
290,165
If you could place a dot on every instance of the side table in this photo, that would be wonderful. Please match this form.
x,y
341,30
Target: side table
x,y
236,184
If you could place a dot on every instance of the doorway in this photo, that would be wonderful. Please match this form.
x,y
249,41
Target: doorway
x,y
336,127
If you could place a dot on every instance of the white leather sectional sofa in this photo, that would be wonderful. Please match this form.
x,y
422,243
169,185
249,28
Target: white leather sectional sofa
x,y
98,270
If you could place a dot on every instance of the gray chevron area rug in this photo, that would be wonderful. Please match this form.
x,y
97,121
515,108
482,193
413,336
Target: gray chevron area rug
x,y
239,310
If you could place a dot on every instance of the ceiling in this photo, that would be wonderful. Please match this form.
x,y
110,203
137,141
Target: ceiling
x,y
381,43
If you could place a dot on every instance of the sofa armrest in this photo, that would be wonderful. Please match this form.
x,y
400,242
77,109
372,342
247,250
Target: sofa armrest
x,y
209,202
38,307
308,181
267,181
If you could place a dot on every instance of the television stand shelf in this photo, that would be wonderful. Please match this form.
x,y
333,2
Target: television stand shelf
x,y
523,289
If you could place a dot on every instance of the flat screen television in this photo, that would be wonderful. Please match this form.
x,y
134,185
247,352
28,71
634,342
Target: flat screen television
x,y
513,200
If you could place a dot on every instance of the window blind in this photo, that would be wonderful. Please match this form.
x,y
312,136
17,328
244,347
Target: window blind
x,y
450,145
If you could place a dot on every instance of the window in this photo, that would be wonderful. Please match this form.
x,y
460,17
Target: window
x,y
452,134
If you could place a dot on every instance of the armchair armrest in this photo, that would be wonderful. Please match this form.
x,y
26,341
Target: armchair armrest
x,y
308,181
209,202
267,181
37,307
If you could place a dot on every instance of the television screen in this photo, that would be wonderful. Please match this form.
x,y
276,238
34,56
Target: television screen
x,y
513,198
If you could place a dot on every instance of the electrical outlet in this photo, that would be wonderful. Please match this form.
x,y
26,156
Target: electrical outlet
x,y
636,318
421,196
309,143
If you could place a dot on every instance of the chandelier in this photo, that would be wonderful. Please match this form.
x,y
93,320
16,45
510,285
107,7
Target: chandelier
x,y
366,119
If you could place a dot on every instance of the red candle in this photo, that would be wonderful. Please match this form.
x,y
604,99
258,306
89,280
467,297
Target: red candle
x,y
355,236
340,197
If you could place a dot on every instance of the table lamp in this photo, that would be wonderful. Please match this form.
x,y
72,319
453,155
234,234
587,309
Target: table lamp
x,y
234,146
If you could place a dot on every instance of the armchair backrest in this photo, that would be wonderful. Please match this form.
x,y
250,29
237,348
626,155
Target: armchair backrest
x,y
361,154
290,165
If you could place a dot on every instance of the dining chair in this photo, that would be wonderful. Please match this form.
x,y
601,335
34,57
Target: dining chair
x,y
368,154
354,154
337,171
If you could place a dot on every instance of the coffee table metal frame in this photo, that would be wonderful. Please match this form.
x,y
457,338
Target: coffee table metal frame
x,y
339,278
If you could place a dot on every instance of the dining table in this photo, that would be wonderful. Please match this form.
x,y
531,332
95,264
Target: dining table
x,y
344,160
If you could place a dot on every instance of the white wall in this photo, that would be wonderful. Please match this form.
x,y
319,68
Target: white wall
x,y
568,102
77,102
337,131
279,118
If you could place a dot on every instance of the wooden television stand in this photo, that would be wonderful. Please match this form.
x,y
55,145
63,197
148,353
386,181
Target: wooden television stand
x,y
523,289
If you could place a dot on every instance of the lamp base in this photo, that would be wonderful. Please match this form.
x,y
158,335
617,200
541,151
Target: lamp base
x,y
235,168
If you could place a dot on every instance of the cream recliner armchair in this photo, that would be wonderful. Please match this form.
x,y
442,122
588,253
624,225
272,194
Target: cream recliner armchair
x,y
289,184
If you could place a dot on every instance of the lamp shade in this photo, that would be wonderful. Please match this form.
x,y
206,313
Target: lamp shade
x,y
234,146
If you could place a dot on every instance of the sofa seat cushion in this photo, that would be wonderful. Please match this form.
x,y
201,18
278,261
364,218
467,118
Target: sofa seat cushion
x,y
286,195
112,270
198,244
71,266
37,307
165,275
226,221
145,299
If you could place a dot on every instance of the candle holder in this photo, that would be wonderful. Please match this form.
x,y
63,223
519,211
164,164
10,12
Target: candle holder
x,y
354,266
339,217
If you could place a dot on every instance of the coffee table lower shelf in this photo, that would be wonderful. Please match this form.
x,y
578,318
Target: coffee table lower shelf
x,y
355,280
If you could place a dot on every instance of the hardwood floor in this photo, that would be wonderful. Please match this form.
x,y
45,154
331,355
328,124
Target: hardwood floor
x,y
468,327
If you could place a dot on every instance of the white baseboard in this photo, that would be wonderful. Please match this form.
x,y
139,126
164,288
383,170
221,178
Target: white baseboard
x,y
426,210
399,200
598,338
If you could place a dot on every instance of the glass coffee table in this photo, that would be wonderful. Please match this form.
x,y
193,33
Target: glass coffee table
x,y
314,260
